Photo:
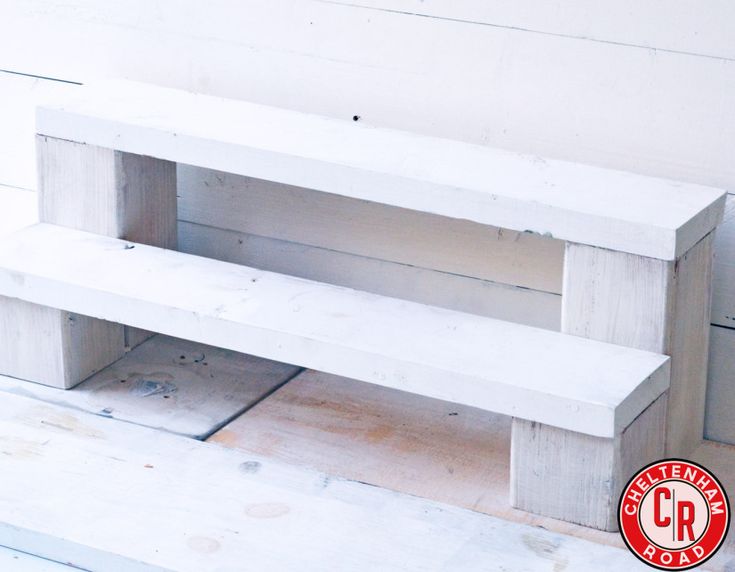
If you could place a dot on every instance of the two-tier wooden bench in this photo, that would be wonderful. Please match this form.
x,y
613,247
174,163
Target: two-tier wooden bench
x,y
589,404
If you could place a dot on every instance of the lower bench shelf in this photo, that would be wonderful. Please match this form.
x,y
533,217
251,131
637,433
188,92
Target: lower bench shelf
x,y
588,397
564,381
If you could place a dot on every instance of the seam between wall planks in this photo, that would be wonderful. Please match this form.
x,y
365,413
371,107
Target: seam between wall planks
x,y
34,76
526,30
335,251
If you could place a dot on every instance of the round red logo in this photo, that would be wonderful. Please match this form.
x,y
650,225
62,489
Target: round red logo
x,y
673,514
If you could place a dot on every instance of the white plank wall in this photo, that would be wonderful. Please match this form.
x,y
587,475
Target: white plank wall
x,y
631,86
617,105
708,29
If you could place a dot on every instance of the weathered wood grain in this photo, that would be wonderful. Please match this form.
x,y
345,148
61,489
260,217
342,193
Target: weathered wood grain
x,y
106,192
170,384
35,342
579,478
441,451
654,305
432,351
412,444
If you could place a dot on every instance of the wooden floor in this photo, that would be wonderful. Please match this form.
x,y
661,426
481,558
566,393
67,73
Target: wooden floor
x,y
408,443
365,434
104,495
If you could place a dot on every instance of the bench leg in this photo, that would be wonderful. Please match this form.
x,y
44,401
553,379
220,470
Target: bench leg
x,y
655,305
101,191
576,477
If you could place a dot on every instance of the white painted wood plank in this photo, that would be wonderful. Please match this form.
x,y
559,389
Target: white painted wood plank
x,y
654,305
266,209
529,92
720,419
179,386
617,297
15,561
461,293
243,509
723,280
685,26
545,460
34,342
571,382
107,192
611,209
115,194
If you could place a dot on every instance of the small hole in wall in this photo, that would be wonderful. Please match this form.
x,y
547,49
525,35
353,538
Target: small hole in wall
x,y
355,118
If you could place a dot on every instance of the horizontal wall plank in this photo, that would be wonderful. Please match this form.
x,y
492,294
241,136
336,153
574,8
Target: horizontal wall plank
x,y
688,26
369,229
655,112
526,306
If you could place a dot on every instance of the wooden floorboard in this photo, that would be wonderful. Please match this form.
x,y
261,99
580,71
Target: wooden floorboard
x,y
405,442
107,495
166,383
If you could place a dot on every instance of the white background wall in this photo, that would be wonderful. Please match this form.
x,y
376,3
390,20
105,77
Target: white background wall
x,y
646,86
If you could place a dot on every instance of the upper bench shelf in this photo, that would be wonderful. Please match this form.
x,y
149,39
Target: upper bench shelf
x,y
621,211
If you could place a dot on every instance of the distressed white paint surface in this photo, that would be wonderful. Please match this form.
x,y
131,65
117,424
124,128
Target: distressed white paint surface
x,y
585,204
653,305
170,384
220,510
565,381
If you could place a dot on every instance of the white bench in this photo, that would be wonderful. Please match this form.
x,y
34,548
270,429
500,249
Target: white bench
x,y
637,274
